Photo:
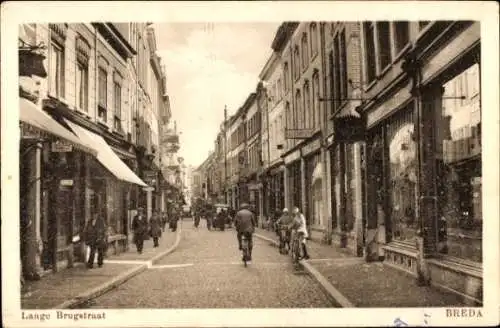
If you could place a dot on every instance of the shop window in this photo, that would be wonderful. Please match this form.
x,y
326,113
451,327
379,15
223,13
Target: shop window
x,y
384,44
370,57
56,70
402,177
458,153
401,35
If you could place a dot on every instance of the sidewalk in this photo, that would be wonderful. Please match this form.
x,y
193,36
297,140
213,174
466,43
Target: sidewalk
x,y
69,287
351,282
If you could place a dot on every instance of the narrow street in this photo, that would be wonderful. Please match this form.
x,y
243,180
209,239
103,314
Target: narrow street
x,y
206,272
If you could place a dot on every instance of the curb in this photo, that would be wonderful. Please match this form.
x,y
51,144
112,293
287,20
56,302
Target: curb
x,y
118,280
334,294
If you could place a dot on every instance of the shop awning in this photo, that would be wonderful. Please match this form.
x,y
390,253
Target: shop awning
x,y
107,156
35,117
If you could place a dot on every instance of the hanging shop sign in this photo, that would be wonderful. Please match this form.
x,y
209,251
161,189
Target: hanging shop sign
x,y
61,147
349,129
298,133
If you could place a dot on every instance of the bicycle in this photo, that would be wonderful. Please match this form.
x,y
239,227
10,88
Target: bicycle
x,y
296,250
245,249
284,241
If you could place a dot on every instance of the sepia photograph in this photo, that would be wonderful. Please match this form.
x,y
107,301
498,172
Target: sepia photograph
x,y
224,164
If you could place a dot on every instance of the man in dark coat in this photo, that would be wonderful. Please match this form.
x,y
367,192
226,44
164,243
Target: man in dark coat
x,y
140,227
155,228
174,218
95,238
245,223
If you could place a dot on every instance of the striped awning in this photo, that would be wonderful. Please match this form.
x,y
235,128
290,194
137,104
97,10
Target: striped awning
x,y
43,124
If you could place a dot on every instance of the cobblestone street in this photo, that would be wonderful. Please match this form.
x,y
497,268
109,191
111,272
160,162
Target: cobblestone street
x,y
206,272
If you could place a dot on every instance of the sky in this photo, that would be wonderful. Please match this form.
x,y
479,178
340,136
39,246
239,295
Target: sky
x,y
209,66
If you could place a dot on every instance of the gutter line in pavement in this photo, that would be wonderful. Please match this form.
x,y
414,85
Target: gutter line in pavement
x,y
120,279
331,291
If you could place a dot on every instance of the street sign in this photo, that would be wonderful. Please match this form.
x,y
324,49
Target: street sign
x,y
67,183
298,133
60,147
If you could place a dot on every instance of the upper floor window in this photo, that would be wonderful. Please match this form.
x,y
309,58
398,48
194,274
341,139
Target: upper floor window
x,y
384,44
298,120
286,76
117,93
308,115
401,35
296,63
343,63
315,97
423,24
56,69
370,56
314,39
82,74
305,52
279,89
103,93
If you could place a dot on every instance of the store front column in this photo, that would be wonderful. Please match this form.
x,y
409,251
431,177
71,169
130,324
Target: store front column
x,y
326,196
286,188
358,199
30,217
149,202
303,195
426,183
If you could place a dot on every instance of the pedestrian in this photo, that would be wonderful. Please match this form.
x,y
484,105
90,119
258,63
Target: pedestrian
x,y
164,220
196,219
173,219
96,238
155,228
276,216
140,228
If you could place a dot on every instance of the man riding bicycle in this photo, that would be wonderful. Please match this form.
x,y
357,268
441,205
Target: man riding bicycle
x,y
300,230
245,223
284,231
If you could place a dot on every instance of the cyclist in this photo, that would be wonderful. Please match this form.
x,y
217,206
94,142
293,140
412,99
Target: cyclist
x,y
245,223
284,232
299,226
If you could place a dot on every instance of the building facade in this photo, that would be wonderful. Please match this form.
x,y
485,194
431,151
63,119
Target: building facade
x,y
381,142
85,139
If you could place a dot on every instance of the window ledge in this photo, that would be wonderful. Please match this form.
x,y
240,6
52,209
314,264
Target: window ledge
x,y
384,72
401,53
82,112
370,85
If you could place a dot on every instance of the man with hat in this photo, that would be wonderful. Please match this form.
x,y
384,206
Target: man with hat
x,y
245,223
